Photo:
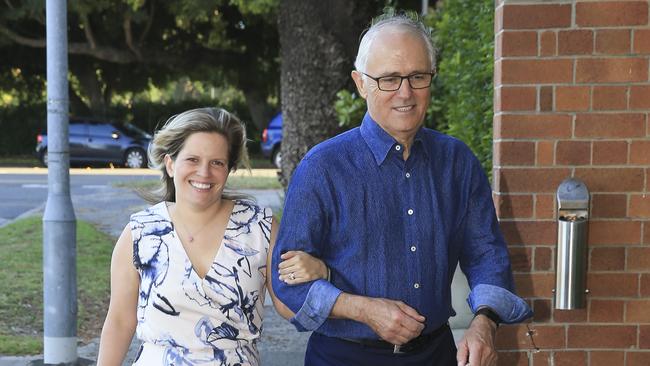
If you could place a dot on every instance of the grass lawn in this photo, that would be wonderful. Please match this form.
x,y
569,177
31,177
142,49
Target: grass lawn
x,y
21,282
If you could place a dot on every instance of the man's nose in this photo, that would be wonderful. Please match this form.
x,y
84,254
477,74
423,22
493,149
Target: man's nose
x,y
405,89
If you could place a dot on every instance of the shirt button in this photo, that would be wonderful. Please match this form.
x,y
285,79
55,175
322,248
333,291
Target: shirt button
x,y
410,211
408,175
398,148
416,285
413,248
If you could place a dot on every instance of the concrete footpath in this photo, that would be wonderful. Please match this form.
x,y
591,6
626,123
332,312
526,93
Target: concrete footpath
x,y
109,210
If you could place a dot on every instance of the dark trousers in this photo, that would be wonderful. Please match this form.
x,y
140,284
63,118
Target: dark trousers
x,y
328,351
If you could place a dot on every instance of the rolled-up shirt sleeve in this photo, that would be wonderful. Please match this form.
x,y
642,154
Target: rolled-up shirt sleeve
x,y
304,226
484,255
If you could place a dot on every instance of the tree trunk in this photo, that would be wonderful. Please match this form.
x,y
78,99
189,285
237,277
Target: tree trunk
x,y
261,112
318,43
91,88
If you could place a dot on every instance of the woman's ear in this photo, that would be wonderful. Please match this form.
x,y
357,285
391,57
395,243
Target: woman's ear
x,y
169,165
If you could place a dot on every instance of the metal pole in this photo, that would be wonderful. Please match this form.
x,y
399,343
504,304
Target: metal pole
x,y
59,223
425,7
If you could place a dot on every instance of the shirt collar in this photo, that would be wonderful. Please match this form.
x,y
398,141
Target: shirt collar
x,y
380,142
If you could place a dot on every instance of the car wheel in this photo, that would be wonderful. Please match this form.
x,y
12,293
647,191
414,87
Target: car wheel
x,y
276,158
135,158
43,157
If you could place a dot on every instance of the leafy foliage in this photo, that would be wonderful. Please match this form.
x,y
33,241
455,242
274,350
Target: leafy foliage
x,y
462,97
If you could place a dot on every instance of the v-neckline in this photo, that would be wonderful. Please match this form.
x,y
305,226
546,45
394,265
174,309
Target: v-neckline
x,y
182,247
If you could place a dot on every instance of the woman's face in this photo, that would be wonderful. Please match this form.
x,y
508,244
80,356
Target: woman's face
x,y
200,170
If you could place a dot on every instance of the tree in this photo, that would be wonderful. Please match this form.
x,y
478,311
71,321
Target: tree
x,y
117,46
318,43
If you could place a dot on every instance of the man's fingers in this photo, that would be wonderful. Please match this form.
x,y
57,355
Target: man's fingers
x,y
412,326
410,312
463,353
289,254
475,354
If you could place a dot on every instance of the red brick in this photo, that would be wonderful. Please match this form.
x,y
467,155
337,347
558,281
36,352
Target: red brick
x,y
601,336
570,358
529,232
646,231
521,258
607,259
606,311
607,358
640,152
636,311
575,42
602,125
611,13
573,153
611,70
532,180
545,153
639,206
518,43
544,206
541,310
546,98
544,71
608,206
510,206
514,153
638,358
572,98
512,359
645,285
570,316
644,337
642,41
532,126
536,16
548,43
542,358
638,259
543,259
516,98
610,97
613,41
640,97
518,336
535,284
610,152
612,179
612,284
614,232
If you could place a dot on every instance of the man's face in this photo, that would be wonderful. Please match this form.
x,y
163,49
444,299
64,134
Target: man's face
x,y
396,52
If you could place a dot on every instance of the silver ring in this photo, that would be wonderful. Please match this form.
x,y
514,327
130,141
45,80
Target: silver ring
x,y
292,276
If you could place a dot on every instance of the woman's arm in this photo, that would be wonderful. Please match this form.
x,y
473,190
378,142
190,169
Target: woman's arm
x,y
121,319
303,266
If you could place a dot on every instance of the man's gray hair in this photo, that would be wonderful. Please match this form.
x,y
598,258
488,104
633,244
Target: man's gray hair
x,y
408,22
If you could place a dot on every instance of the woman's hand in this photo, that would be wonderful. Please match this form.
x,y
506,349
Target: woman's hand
x,y
299,267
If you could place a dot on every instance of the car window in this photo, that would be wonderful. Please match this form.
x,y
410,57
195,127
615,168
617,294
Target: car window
x,y
132,131
101,130
77,129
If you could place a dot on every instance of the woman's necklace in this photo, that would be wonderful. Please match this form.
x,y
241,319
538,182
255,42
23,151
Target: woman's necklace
x,y
190,235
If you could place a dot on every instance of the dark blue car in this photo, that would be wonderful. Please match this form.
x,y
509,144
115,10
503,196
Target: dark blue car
x,y
272,139
102,142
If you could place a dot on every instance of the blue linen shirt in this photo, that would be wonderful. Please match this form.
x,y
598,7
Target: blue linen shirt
x,y
394,229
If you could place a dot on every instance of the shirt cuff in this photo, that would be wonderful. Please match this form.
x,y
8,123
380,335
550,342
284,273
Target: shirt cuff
x,y
510,307
317,306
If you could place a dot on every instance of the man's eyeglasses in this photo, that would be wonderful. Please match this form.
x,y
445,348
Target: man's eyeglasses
x,y
394,82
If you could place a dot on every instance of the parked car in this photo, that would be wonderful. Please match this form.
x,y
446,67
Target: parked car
x,y
272,140
102,142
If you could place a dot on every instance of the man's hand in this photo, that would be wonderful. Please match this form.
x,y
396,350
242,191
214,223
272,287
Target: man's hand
x,y
394,321
477,345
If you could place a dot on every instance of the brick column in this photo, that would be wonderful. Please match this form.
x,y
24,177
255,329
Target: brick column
x,y
572,98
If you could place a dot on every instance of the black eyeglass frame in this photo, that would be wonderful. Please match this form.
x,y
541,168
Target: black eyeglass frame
x,y
407,77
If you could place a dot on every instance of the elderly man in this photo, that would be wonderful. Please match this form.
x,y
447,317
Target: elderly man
x,y
392,207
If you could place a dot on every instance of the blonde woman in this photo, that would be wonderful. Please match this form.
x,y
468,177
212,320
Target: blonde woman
x,y
189,273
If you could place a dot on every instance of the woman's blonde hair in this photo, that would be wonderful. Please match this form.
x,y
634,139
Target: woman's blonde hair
x,y
170,139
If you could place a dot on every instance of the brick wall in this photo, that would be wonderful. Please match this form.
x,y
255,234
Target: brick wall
x,y
572,98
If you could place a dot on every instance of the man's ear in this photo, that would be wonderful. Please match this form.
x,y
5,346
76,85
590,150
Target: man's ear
x,y
359,82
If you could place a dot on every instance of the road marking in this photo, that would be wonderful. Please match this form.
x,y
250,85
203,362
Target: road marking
x,y
34,186
94,186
